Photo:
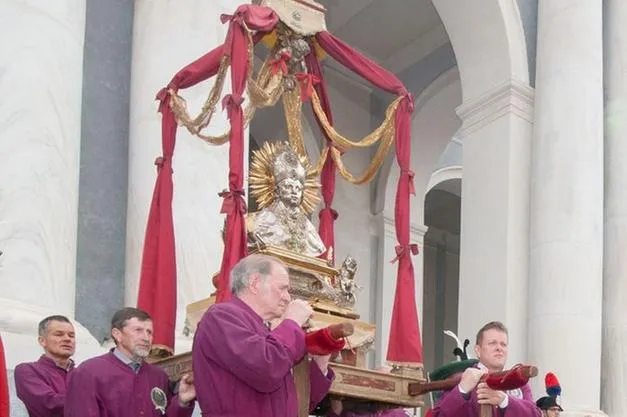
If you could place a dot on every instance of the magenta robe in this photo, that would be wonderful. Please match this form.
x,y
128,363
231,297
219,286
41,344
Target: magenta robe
x,y
453,404
104,386
242,369
41,386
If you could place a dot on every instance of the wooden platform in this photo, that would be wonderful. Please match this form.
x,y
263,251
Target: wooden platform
x,y
389,389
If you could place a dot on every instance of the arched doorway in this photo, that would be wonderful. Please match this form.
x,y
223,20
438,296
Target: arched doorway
x,y
442,208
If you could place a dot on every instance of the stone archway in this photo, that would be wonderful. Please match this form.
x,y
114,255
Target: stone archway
x,y
497,114
489,43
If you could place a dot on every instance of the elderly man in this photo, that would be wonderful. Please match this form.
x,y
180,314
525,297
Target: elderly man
x,y
241,367
41,385
465,400
120,383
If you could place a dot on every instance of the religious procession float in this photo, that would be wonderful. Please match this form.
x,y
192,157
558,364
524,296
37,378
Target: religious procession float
x,y
287,190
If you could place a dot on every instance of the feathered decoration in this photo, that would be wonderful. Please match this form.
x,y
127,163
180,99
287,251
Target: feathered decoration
x,y
552,384
460,350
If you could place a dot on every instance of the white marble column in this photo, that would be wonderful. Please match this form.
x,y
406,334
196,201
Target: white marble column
x,y
566,233
41,67
496,133
167,36
386,281
614,363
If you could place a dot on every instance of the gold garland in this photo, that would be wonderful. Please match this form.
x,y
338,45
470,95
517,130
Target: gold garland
x,y
373,167
369,140
265,91
292,108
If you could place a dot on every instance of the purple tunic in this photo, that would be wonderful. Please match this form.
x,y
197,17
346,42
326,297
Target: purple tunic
x,y
453,404
242,369
41,386
104,386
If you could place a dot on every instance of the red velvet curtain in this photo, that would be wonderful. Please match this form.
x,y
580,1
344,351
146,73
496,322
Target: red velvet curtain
x,y
404,345
327,177
4,385
157,289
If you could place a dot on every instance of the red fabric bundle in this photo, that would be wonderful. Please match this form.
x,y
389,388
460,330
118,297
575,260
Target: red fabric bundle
x,y
321,342
510,380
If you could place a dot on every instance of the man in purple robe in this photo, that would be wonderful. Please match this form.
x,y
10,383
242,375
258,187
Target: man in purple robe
x,y
241,367
466,399
121,384
41,385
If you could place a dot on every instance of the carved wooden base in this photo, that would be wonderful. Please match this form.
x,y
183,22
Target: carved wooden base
x,y
389,389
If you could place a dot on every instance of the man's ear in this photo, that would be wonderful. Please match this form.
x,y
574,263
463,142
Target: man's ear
x,y
42,341
477,351
116,334
254,280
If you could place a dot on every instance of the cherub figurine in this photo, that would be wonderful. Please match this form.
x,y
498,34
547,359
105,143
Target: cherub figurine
x,y
348,285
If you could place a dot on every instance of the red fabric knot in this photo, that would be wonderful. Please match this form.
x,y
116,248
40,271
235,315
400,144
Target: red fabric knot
x,y
235,18
233,202
229,101
280,63
404,250
409,102
333,212
162,94
307,82
159,161
411,175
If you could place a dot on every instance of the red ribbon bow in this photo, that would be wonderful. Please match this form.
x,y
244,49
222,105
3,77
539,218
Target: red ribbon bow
x,y
162,94
236,18
280,63
307,82
233,202
409,102
411,174
334,213
229,101
402,250
159,161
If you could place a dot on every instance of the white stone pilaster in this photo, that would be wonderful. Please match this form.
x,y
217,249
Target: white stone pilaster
x,y
41,75
386,279
566,227
168,35
614,363
496,134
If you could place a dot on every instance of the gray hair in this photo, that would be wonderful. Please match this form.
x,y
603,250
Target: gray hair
x,y
42,328
252,264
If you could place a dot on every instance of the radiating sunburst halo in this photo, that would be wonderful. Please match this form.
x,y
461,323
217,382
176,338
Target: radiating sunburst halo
x,y
262,182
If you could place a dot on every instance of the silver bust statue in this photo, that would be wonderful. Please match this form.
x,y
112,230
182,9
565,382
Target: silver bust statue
x,y
283,223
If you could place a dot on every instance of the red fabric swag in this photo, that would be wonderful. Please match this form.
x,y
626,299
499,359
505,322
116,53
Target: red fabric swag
x,y
327,214
157,288
404,344
4,384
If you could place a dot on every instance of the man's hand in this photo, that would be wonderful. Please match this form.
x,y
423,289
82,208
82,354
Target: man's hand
x,y
486,395
187,391
470,379
299,311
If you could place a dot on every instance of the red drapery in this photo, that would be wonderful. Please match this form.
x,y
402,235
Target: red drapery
x,y
4,385
158,276
327,214
404,345
157,289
